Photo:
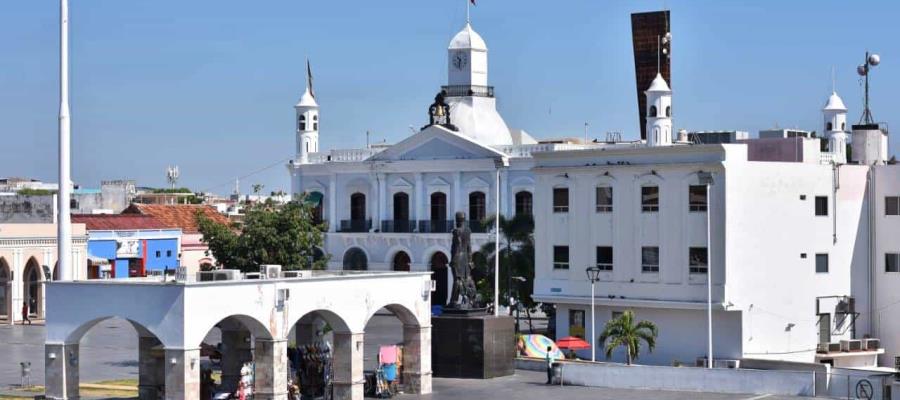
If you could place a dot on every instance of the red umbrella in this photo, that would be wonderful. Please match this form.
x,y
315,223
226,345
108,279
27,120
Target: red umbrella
x,y
572,343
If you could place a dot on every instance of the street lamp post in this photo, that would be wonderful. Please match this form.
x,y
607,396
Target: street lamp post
x,y
706,179
593,274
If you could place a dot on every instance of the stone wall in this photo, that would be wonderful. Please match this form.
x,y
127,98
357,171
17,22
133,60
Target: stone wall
x,y
20,209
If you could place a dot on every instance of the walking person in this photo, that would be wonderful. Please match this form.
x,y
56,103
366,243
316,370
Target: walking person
x,y
550,360
25,313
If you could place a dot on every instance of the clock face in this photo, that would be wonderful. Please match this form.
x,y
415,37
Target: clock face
x,y
460,60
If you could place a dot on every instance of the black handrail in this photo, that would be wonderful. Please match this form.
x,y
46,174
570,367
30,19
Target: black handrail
x,y
468,90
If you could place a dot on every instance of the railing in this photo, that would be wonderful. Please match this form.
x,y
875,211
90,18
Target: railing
x,y
437,226
525,150
398,226
468,90
346,155
355,225
826,158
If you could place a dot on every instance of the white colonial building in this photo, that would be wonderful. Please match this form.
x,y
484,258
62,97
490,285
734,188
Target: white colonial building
x,y
391,207
803,248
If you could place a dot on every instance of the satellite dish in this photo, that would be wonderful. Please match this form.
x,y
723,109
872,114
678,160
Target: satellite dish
x,y
874,59
668,36
861,70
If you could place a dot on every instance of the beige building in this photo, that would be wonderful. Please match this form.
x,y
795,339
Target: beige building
x,y
27,257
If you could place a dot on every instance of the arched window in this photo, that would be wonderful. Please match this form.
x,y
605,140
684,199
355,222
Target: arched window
x,y
438,206
401,206
477,206
524,203
401,261
828,126
302,122
843,126
668,111
355,260
652,112
316,200
357,207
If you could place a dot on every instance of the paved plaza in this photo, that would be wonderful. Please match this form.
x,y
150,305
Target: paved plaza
x,y
109,351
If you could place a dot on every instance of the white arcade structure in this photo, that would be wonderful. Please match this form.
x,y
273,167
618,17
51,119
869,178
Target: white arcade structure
x,y
255,318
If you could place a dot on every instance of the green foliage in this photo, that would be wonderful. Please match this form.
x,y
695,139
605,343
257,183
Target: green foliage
x,y
516,259
270,234
624,332
35,192
171,190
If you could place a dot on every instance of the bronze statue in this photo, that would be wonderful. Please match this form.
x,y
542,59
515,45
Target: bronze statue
x,y
464,294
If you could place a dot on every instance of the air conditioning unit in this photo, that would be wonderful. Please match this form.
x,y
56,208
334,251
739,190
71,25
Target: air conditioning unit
x,y
871,344
206,276
851,345
292,274
269,271
219,275
834,347
822,348
733,364
701,362
253,275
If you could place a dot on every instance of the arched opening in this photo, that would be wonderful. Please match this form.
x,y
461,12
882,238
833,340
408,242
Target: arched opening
x,y
828,126
56,271
401,261
316,200
401,213
5,290
441,276
239,350
355,260
652,111
322,354
392,336
358,207
477,207
439,212
315,122
668,111
31,288
301,122
145,362
843,126
524,203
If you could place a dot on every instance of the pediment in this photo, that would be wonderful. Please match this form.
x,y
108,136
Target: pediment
x,y
436,143
477,183
438,181
401,183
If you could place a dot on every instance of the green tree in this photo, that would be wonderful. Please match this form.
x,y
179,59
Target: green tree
x,y
624,332
270,234
516,260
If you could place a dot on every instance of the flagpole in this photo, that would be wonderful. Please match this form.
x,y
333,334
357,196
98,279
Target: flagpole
x,y
468,20
63,220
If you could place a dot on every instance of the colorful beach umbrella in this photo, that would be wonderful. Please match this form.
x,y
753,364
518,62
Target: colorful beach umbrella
x,y
536,346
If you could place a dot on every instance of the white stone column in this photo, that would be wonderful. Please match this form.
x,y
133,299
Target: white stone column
x,y
348,366
151,371
417,359
420,198
505,199
457,196
382,200
333,223
270,357
60,371
182,368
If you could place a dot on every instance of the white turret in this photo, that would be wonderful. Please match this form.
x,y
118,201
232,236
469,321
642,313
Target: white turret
x,y
467,59
835,115
307,125
659,113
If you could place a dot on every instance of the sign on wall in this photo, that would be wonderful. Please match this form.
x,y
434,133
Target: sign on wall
x,y
128,248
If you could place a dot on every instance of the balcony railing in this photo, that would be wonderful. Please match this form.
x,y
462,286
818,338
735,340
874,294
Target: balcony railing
x,y
468,90
398,226
356,225
436,226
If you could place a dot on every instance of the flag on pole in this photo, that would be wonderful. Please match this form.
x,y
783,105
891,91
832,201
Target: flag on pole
x,y
309,79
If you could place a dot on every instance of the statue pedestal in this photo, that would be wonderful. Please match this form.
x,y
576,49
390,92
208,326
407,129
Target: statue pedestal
x,y
472,346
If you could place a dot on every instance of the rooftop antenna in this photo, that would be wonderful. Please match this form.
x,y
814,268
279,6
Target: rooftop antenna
x,y
237,186
832,80
367,139
586,125
863,71
172,175
658,46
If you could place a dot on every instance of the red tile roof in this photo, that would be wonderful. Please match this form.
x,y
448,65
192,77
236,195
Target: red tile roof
x,y
112,222
182,216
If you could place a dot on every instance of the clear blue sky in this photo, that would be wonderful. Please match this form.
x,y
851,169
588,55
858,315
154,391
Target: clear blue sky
x,y
209,85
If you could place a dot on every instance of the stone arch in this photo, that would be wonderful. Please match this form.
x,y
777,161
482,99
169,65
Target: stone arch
x,y
402,312
256,328
393,250
401,261
5,290
355,259
32,289
142,330
333,319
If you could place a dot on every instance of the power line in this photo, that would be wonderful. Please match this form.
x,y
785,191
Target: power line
x,y
229,182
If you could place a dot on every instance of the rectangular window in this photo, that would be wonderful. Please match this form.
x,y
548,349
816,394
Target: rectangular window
x,y
892,262
821,263
821,206
605,258
650,198
157,254
649,259
697,260
892,205
168,253
560,200
697,198
560,257
576,323
604,199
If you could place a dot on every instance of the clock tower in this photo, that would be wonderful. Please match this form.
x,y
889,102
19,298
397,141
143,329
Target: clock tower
x,y
467,59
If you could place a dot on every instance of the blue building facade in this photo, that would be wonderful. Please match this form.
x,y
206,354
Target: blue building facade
x,y
134,253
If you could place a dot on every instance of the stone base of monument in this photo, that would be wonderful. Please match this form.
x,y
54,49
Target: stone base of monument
x,y
476,346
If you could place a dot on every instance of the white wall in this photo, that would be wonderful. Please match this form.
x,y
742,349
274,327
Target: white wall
x,y
886,292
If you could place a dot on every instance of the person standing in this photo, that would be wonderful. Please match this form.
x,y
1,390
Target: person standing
x,y
25,313
549,359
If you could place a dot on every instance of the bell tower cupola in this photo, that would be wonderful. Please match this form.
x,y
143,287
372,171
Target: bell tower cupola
x,y
307,122
659,113
835,119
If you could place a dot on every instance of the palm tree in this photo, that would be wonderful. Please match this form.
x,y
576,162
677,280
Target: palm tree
x,y
516,259
622,331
